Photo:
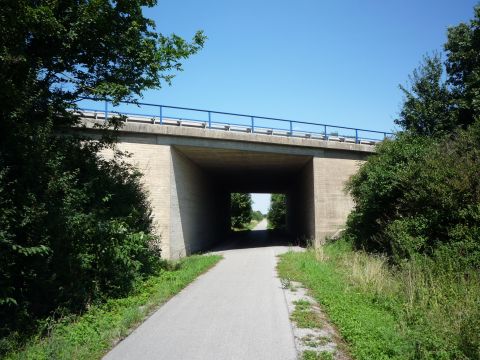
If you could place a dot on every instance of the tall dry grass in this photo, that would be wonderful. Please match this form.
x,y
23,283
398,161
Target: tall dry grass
x,y
438,308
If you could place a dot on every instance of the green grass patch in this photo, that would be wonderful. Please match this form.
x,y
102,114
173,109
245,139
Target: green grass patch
x,y
415,311
246,227
304,316
370,331
315,341
314,355
92,334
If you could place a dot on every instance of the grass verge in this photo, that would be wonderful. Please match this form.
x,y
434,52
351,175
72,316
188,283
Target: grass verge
x,y
251,225
247,227
304,316
92,334
417,311
313,355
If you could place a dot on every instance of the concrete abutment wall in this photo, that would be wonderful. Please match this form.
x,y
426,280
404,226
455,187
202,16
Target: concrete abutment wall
x,y
197,208
332,203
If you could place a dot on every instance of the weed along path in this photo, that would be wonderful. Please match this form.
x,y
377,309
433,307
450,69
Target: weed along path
x,y
237,310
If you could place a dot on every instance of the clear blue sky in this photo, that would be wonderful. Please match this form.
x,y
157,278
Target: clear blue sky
x,y
261,202
335,62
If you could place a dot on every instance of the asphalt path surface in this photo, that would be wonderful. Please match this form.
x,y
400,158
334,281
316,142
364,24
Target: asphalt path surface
x,y
262,225
237,310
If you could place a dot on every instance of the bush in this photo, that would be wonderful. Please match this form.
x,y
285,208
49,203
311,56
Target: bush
x,y
75,229
240,210
257,216
377,188
277,212
420,196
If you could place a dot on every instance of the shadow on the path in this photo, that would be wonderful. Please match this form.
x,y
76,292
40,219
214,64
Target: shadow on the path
x,y
255,239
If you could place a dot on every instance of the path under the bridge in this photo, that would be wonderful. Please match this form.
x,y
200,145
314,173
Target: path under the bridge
x,y
237,310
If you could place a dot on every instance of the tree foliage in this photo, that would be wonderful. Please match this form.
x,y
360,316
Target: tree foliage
x,y
74,227
427,109
420,196
277,212
445,96
463,68
240,209
257,215
420,193
86,48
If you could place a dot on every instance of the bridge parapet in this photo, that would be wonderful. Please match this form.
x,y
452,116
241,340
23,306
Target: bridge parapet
x,y
214,138
229,122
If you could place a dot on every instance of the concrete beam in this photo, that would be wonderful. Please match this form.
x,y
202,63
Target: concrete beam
x,y
172,135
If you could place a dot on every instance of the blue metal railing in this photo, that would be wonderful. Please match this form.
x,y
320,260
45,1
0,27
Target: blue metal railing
x,y
252,123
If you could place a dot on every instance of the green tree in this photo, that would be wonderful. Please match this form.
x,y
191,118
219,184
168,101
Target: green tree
x,y
74,227
240,209
257,215
437,102
61,50
417,195
277,212
379,186
463,68
427,108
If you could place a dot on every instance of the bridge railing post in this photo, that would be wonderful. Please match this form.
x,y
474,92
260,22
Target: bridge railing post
x,y
106,109
287,128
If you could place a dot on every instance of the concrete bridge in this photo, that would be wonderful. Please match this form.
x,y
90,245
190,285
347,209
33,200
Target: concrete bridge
x,y
190,169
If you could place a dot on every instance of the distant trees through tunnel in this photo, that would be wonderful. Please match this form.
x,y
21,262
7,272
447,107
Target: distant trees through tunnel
x,y
247,210
277,212
241,212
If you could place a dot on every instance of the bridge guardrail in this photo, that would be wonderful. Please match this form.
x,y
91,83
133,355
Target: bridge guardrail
x,y
182,116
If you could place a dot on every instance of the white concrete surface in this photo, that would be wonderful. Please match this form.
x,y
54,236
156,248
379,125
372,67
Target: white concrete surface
x,y
235,311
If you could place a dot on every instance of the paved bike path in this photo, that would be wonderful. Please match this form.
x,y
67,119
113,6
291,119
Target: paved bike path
x,y
235,311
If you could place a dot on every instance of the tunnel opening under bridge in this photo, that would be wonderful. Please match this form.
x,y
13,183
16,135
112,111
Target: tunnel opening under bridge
x,y
205,177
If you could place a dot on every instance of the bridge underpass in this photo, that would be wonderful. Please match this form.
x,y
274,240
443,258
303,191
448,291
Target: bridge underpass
x,y
190,173
255,172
